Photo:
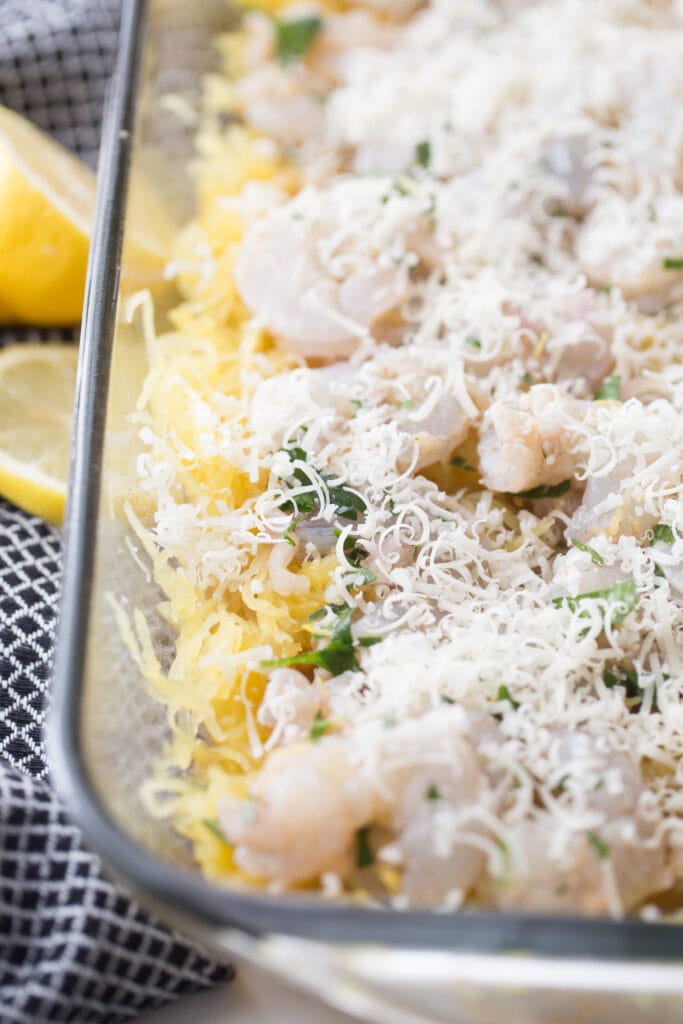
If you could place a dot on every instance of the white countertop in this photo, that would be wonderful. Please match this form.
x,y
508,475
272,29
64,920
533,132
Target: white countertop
x,y
250,999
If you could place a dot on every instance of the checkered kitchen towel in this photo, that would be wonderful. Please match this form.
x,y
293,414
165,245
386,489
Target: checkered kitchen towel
x,y
72,948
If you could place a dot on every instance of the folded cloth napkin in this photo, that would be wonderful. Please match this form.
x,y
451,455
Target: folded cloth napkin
x,y
72,946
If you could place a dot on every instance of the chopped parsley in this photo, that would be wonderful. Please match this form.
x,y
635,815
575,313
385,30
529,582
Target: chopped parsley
x,y
622,675
319,727
432,793
348,503
663,534
461,463
293,39
672,263
367,576
364,855
601,848
596,559
338,655
609,390
423,154
291,530
445,699
328,609
621,600
355,555
504,694
544,491
473,340
214,828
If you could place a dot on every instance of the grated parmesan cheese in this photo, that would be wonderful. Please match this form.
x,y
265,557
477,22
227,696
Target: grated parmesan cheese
x,y
414,454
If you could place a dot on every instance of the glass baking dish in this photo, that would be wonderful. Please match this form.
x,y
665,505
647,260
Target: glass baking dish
x,y
383,965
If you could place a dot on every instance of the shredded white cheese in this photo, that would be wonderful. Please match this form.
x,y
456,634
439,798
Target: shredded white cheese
x,y
478,429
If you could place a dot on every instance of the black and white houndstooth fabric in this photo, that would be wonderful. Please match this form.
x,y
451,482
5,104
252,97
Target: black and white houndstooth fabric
x,y
72,948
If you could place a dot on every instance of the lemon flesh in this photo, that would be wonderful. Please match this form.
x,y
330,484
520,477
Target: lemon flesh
x,y
46,203
37,384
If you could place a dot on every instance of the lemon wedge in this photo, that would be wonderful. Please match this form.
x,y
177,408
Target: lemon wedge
x,y
46,202
37,385
47,197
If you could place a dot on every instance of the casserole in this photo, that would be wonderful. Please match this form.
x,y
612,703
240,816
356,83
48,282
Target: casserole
x,y
387,965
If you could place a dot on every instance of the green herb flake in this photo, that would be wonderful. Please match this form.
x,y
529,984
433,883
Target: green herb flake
x,y
320,726
445,699
672,263
473,340
596,559
504,694
356,405
328,609
621,600
599,845
367,576
338,655
543,491
609,390
423,154
527,380
290,532
364,855
348,504
461,463
432,793
214,828
623,675
293,39
663,534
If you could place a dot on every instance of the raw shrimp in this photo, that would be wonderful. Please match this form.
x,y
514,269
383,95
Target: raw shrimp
x,y
286,402
579,341
630,243
609,506
435,811
289,705
320,297
576,572
305,808
273,102
527,443
441,430
606,858
426,394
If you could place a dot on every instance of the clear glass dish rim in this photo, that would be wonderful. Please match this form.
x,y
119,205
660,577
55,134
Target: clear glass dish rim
x,y
176,894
